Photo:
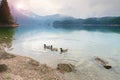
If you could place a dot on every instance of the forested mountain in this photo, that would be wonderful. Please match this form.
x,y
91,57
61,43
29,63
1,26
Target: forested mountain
x,y
89,22
103,20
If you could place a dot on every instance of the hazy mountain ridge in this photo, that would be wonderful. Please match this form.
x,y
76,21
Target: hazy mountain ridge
x,y
24,17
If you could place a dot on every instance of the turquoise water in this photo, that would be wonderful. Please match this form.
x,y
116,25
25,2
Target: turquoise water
x,y
83,46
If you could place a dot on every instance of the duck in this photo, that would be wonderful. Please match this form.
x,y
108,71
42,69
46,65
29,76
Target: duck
x,y
63,50
53,49
47,46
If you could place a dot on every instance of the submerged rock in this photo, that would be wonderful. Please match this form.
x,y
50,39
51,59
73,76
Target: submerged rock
x,y
64,67
3,67
107,66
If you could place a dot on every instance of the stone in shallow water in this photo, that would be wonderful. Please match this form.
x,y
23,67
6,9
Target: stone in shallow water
x,y
103,63
108,67
64,67
3,67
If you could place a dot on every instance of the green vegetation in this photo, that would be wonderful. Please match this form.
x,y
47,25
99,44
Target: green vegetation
x,y
6,36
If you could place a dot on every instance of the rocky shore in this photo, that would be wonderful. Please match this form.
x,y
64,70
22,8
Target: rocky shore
x,y
14,67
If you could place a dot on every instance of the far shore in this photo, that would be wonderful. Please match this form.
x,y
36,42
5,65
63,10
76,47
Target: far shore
x,y
107,25
12,25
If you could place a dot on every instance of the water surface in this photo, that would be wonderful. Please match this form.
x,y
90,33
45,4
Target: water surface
x,y
83,46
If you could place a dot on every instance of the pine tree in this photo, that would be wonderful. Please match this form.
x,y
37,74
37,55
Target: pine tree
x,y
5,15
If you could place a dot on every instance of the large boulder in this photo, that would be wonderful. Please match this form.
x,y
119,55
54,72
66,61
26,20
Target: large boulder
x,y
64,67
3,67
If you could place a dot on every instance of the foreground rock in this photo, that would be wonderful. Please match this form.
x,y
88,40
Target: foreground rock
x,y
64,67
24,68
3,67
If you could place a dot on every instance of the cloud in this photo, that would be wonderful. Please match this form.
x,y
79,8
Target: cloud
x,y
91,8
76,8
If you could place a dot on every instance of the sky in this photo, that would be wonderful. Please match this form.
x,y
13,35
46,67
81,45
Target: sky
x,y
74,8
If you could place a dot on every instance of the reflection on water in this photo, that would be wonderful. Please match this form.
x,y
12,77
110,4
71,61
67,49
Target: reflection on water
x,y
6,36
83,45
115,29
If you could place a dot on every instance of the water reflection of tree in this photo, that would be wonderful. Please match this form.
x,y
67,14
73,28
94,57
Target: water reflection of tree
x,y
6,36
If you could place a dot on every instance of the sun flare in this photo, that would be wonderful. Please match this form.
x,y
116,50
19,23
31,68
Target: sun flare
x,y
20,6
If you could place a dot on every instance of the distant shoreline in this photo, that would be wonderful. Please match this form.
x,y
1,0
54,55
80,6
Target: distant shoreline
x,y
12,25
101,25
